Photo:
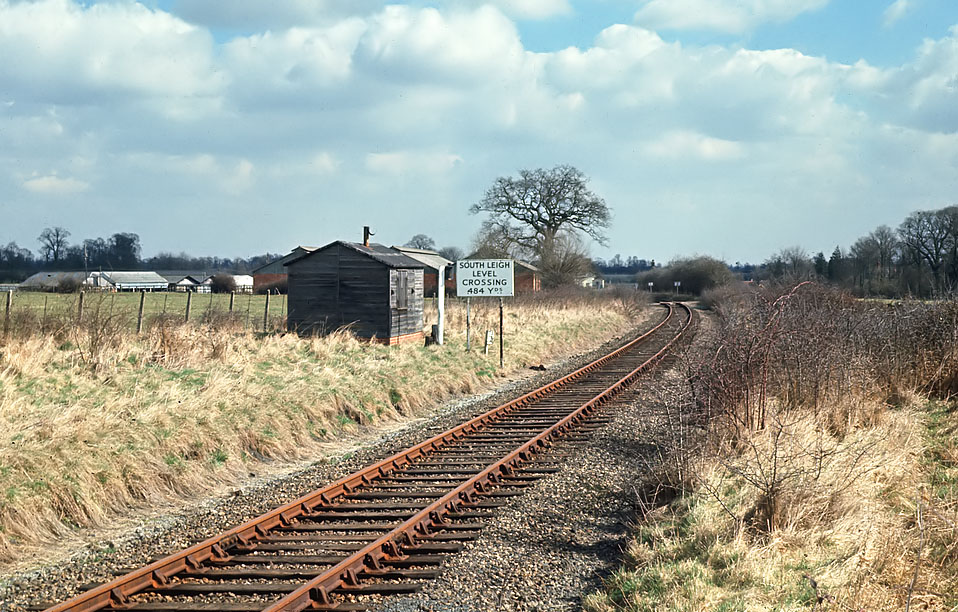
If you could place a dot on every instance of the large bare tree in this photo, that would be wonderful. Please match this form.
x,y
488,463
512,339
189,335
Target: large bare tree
x,y
53,243
531,210
925,236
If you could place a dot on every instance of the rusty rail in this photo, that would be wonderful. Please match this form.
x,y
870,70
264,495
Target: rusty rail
x,y
387,549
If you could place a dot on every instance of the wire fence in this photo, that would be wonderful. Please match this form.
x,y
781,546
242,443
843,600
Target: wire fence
x,y
28,313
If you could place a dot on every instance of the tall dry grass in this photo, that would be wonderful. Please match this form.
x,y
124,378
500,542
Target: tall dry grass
x,y
814,470
97,421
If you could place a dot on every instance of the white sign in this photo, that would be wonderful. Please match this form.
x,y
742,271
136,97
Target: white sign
x,y
484,278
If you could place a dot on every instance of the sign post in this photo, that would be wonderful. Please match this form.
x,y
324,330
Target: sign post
x,y
677,285
486,278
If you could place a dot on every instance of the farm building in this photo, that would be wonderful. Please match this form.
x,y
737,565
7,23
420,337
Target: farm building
x,y
375,290
431,261
273,274
181,282
106,281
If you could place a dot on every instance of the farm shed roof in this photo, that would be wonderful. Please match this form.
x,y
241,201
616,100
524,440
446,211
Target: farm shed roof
x,y
52,280
296,253
177,279
131,279
430,259
383,254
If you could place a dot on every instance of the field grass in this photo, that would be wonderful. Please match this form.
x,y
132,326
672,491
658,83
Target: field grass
x,y
41,308
815,466
97,423
846,543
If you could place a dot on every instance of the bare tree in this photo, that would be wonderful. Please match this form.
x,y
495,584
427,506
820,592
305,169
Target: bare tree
x,y
53,243
530,211
924,235
564,260
452,253
421,241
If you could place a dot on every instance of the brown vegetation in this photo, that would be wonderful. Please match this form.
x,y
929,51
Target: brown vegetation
x,y
95,420
812,468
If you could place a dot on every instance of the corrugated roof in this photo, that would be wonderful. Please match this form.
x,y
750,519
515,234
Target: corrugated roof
x,y
385,255
52,280
429,258
135,278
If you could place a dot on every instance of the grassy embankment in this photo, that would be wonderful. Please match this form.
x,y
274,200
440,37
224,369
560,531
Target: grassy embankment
x,y
96,421
820,468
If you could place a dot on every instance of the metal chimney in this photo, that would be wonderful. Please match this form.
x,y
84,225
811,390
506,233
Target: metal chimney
x,y
366,235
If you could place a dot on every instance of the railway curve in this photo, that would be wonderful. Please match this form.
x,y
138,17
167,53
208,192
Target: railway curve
x,y
385,528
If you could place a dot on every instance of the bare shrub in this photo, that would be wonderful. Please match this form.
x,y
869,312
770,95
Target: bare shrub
x,y
100,332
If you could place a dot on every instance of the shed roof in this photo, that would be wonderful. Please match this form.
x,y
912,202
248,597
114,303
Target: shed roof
x,y
430,259
297,253
176,279
385,255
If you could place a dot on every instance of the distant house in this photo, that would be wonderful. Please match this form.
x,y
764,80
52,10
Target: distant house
x,y
431,261
274,273
375,290
181,282
591,282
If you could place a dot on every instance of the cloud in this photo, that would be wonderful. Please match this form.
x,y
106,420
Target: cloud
x,y
54,185
896,11
684,144
397,163
732,16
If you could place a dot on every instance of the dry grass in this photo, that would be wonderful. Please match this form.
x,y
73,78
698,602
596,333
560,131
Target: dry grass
x,y
820,476
850,525
99,422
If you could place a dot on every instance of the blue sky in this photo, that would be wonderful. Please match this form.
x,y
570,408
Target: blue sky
x,y
727,127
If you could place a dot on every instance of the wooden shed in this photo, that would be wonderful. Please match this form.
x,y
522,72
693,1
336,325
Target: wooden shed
x,y
375,290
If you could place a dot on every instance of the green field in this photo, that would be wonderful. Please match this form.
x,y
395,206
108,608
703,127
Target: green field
x,y
44,307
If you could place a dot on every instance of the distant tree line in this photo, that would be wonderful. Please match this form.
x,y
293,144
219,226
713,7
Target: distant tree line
x,y
919,258
120,251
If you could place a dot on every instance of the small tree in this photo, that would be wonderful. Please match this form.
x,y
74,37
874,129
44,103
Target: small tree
x,y
452,253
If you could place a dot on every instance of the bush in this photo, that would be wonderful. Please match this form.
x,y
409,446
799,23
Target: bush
x,y
695,273
222,283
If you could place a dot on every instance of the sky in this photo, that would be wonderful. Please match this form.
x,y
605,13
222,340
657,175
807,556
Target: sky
x,y
732,128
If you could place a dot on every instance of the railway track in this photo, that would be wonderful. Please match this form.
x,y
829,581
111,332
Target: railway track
x,y
386,528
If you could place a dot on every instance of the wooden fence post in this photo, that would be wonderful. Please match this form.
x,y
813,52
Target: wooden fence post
x,y
6,317
232,297
80,308
189,300
139,314
266,313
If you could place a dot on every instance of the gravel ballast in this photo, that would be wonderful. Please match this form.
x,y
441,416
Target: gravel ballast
x,y
544,551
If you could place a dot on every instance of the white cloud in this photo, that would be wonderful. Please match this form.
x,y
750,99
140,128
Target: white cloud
x,y
397,163
684,144
54,185
733,16
896,11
